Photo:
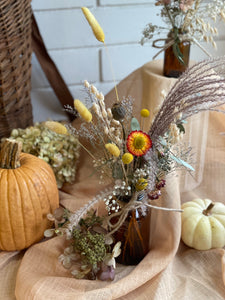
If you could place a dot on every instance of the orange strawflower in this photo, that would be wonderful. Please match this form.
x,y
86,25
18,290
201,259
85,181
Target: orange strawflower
x,y
138,143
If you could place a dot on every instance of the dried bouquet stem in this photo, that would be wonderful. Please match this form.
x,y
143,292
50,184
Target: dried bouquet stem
x,y
131,205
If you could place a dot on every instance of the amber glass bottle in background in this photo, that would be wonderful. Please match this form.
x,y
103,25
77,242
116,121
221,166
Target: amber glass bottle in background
x,y
172,67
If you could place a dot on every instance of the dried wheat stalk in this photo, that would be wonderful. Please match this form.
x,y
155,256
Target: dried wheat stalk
x,y
201,87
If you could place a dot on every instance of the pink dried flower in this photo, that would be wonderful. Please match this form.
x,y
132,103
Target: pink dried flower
x,y
185,4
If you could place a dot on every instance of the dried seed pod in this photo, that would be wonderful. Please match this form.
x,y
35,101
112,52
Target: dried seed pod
x,y
118,111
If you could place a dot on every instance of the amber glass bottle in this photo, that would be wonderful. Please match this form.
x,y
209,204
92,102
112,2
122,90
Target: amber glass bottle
x,y
172,66
134,235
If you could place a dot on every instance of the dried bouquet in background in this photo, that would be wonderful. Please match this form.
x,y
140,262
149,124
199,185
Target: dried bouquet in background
x,y
186,20
136,162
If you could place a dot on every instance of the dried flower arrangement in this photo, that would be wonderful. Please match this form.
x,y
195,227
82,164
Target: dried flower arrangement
x,y
50,142
187,20
136,161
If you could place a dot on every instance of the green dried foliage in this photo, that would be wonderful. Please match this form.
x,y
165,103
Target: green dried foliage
x,y
90,245
60,151
87,242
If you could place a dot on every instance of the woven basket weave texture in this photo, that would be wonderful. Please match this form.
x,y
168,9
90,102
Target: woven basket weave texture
x,y
15,65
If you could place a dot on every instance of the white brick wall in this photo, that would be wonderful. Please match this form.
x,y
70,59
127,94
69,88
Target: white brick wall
x,y
78,55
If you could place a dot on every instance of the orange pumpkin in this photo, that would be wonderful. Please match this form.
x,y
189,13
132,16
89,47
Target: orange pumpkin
x,y
28,192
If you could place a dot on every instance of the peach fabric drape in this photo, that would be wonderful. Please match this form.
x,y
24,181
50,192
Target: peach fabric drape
x,y
170,270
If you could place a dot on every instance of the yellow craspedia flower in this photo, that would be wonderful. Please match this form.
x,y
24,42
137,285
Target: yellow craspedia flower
x,y
82,110
141,184
113,149
56,127
145,113
127,158
96,28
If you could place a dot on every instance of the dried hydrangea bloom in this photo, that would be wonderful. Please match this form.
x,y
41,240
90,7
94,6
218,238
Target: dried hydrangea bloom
x,y
60,151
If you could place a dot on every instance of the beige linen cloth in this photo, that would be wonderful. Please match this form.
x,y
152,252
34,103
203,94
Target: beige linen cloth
x,y
170,270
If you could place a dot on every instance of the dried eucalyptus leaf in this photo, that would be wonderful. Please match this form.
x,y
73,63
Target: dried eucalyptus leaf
x,y
178,53
182,162
135,124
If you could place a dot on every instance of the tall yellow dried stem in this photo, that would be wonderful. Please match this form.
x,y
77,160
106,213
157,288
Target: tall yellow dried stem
x,y
96,28
100,36
112,71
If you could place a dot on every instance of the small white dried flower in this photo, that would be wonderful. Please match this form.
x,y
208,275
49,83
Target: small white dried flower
x,y
208,26
106,130
204,27
216,31
222,15
211,39
104,113
206,39
102,103
86,84
109,112
115,122
95,108
94,90
214,44
100,96
212,30
198,22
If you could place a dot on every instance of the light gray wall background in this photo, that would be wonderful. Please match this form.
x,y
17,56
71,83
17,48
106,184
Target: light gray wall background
x,y
79,56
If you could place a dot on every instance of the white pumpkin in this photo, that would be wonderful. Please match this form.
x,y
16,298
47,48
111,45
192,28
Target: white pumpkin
x,y
203,224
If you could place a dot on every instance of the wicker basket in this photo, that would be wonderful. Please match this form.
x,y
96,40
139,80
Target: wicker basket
x,y
15,65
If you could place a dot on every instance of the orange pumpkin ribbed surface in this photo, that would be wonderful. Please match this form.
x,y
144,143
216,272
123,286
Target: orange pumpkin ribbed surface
x,y
28,192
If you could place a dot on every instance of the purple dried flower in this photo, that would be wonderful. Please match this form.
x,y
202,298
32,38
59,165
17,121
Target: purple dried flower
x,y
106,273
160,184
154,195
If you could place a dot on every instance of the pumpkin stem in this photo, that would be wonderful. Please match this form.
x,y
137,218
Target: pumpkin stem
x,y
207,211
10,154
